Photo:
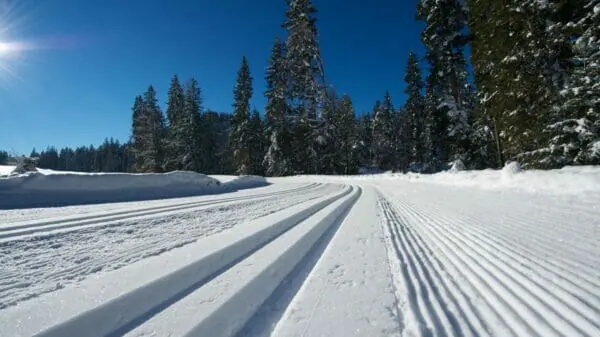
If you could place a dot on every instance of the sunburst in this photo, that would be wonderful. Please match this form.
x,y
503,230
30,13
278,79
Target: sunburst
x,y
12,50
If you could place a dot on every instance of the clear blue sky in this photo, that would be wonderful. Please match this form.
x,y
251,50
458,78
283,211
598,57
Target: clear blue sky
x,y
93,57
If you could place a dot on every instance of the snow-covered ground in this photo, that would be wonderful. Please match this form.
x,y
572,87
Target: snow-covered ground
x,y
491,253
47,188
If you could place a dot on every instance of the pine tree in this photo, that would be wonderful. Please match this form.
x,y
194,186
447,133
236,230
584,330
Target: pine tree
x,y
573,128
414,108
383,133
447,101
193,156
304,83
256,143
153,133
138,135
175,143
365,135
519,72
345,138
240,137
278,158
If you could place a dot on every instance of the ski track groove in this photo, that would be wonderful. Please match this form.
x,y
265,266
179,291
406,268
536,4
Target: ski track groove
x,y
471,324
498,238
558,295
459,272
347,193
505,281
17,231
515,285
431,312
480,282
46,278
496,315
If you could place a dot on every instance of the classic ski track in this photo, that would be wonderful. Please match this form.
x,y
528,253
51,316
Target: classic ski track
x,y
569,294
496,237
471,323
94,264
15,232
509,284
333,197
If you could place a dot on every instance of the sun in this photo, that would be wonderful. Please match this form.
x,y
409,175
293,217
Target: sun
x,y
10,48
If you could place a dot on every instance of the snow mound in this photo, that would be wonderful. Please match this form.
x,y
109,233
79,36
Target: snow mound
x,y
61,182
511,169
245,182
458,166
570,180
6,170
47,188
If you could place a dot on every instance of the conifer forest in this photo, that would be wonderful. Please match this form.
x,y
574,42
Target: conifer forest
x,y
513,80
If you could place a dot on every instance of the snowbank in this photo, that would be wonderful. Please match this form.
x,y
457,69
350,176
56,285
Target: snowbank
x,y
6,170
569,180
53,188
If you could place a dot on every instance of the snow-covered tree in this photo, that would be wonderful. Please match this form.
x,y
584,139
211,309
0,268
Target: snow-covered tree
x,y
175,142
365,140
573,128
345,138
147,133
415,110
304,83
278,158
448,89
239,139
257,143
383,133
193,158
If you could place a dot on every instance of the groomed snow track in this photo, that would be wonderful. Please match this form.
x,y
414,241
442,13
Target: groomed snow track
x,y
320,259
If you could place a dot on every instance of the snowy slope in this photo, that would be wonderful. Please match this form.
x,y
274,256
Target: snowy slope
x,y
454,254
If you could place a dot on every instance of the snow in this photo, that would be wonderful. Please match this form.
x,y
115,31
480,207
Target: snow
x,y
56,188
460,253
567,181
6,169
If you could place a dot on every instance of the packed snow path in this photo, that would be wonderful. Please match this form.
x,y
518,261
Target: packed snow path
x,y
310,256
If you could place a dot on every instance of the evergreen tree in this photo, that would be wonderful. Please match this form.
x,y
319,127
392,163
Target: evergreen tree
x,y
278,158
3,157
448,99
212,147
519,73
305,84
573,129
154,132
383,133
147,133
414,108
257,142
240,137
365,136
176,143
345,138
138,135
193,154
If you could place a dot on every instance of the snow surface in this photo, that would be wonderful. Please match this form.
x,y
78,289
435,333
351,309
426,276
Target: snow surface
x,y
571,181
56,188
488,253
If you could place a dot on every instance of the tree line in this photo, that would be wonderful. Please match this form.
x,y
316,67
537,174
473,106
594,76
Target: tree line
x,y
534,97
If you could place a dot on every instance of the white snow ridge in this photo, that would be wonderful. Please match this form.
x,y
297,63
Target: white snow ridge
x,y
460,253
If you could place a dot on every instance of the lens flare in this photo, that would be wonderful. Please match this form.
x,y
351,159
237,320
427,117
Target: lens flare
x,y
13,51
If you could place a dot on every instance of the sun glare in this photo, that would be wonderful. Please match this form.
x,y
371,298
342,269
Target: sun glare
x,y
13,50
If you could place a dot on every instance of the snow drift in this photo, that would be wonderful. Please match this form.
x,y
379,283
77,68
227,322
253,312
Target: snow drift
x,y
53,188
570,180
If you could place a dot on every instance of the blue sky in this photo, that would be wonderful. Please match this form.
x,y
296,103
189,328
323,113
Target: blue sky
x,y
93,57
